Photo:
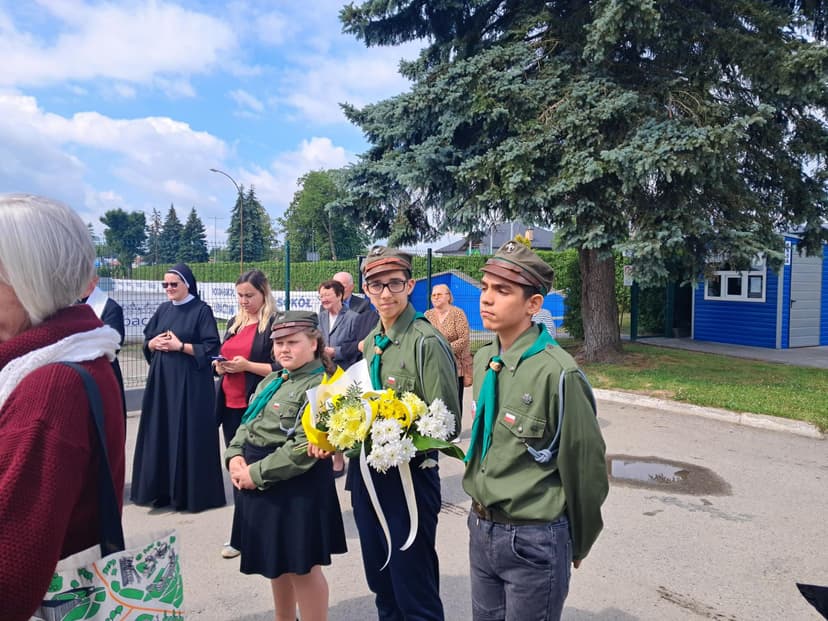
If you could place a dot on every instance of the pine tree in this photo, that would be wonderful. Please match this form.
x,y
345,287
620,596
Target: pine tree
x,y
193,247
674,130
153,244
169,241
258,231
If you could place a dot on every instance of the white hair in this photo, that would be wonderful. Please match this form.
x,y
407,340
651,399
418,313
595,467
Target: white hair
x,y
46,254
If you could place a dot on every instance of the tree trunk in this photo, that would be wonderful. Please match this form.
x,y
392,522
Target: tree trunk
x,y
329,231
599,312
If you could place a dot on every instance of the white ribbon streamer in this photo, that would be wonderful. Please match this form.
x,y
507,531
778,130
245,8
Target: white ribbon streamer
x,y
411,502
372,494
408,491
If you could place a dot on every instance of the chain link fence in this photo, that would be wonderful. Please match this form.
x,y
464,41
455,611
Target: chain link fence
x,y
294,284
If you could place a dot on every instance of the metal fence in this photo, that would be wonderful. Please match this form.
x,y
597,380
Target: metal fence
x,y
138,291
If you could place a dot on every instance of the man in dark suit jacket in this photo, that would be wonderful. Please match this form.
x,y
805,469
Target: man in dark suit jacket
x,y
368,317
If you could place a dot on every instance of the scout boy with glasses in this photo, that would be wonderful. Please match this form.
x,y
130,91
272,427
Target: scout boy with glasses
x,y
536,468
406,353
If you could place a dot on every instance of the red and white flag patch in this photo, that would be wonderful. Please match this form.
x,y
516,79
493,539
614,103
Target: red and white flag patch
x,y
509,418
392,381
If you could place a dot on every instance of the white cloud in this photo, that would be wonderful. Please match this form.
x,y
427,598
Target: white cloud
x,y
157,157
124,91
248,103
136,43
273,29
276,185
316,88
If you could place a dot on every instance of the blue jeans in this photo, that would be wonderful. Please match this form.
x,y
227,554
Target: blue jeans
x,y
518,573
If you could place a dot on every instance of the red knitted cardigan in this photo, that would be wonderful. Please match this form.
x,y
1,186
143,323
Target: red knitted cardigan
x,y
49,463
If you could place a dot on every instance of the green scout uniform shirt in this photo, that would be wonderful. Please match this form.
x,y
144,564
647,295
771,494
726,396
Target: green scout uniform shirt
x,y
413,341
284,408
509,480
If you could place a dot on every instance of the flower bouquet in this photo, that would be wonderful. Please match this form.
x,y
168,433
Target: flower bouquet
x,y
392,427
384,428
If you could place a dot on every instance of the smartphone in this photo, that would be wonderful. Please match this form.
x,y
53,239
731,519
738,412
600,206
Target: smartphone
x,y
218,358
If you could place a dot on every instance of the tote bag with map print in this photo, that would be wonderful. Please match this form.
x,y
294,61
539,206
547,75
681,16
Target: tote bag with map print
x,y
141,582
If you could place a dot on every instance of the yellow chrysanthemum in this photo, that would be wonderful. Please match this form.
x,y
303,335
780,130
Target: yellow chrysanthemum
x,y
347,426
391,407
416,406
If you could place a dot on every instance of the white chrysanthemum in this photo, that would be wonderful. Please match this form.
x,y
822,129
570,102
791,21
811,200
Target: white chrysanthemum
x,y
438,423
432,427
391,454
386,430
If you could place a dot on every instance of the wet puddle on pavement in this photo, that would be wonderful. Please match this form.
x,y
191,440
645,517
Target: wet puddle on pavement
x,y
662,474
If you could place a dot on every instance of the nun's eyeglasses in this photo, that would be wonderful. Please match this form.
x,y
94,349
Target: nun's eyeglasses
x,y
173,285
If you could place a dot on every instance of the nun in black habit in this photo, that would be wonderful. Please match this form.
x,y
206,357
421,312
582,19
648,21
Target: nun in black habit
x,y
177,460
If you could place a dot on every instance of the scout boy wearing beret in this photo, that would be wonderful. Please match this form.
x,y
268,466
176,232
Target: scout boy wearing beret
x,y
536,468
406,353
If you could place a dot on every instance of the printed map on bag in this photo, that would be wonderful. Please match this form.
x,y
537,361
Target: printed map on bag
x,y
140,584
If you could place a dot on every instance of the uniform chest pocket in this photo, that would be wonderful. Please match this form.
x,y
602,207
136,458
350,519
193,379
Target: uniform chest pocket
x,y
520,423
288,413
401,382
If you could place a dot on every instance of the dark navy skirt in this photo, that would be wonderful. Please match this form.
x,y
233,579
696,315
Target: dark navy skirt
x,y
291,526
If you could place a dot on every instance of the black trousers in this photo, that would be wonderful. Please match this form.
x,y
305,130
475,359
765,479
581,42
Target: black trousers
x,y
408,589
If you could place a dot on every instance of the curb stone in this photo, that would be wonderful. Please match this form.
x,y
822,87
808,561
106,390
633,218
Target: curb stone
x,y
759,421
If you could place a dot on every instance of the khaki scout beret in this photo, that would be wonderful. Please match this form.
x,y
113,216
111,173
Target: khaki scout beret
x,y
381,259
291,322
515,262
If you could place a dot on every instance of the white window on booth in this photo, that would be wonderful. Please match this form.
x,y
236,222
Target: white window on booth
x,y
737,285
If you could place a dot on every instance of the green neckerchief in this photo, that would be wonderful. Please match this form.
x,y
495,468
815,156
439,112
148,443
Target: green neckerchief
x,y
382,341
265,394
487,400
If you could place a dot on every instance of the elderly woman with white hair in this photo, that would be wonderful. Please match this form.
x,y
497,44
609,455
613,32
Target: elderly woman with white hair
x,y
49,454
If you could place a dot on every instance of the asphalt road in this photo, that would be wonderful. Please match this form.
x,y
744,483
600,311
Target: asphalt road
x,y
708,520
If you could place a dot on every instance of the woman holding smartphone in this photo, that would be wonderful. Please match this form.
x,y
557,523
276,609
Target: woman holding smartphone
x,y
245,357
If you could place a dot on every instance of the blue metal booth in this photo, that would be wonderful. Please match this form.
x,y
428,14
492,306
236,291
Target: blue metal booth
x,y
765,308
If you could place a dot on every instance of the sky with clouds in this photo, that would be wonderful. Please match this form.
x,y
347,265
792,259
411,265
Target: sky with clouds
x,y
129,104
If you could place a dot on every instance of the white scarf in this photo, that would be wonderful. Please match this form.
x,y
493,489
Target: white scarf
x,y
79,347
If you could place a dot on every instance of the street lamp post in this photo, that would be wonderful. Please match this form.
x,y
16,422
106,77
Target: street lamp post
x,y
241,217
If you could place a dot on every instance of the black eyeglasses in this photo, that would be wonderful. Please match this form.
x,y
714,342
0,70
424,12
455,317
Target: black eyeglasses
x,y
394,286
174,285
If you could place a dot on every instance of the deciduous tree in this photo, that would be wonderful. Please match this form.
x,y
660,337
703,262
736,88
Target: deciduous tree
x,y
314,223
125,235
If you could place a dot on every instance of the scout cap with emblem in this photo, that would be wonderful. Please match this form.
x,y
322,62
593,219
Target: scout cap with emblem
x,y
515,262
291,322
382,259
